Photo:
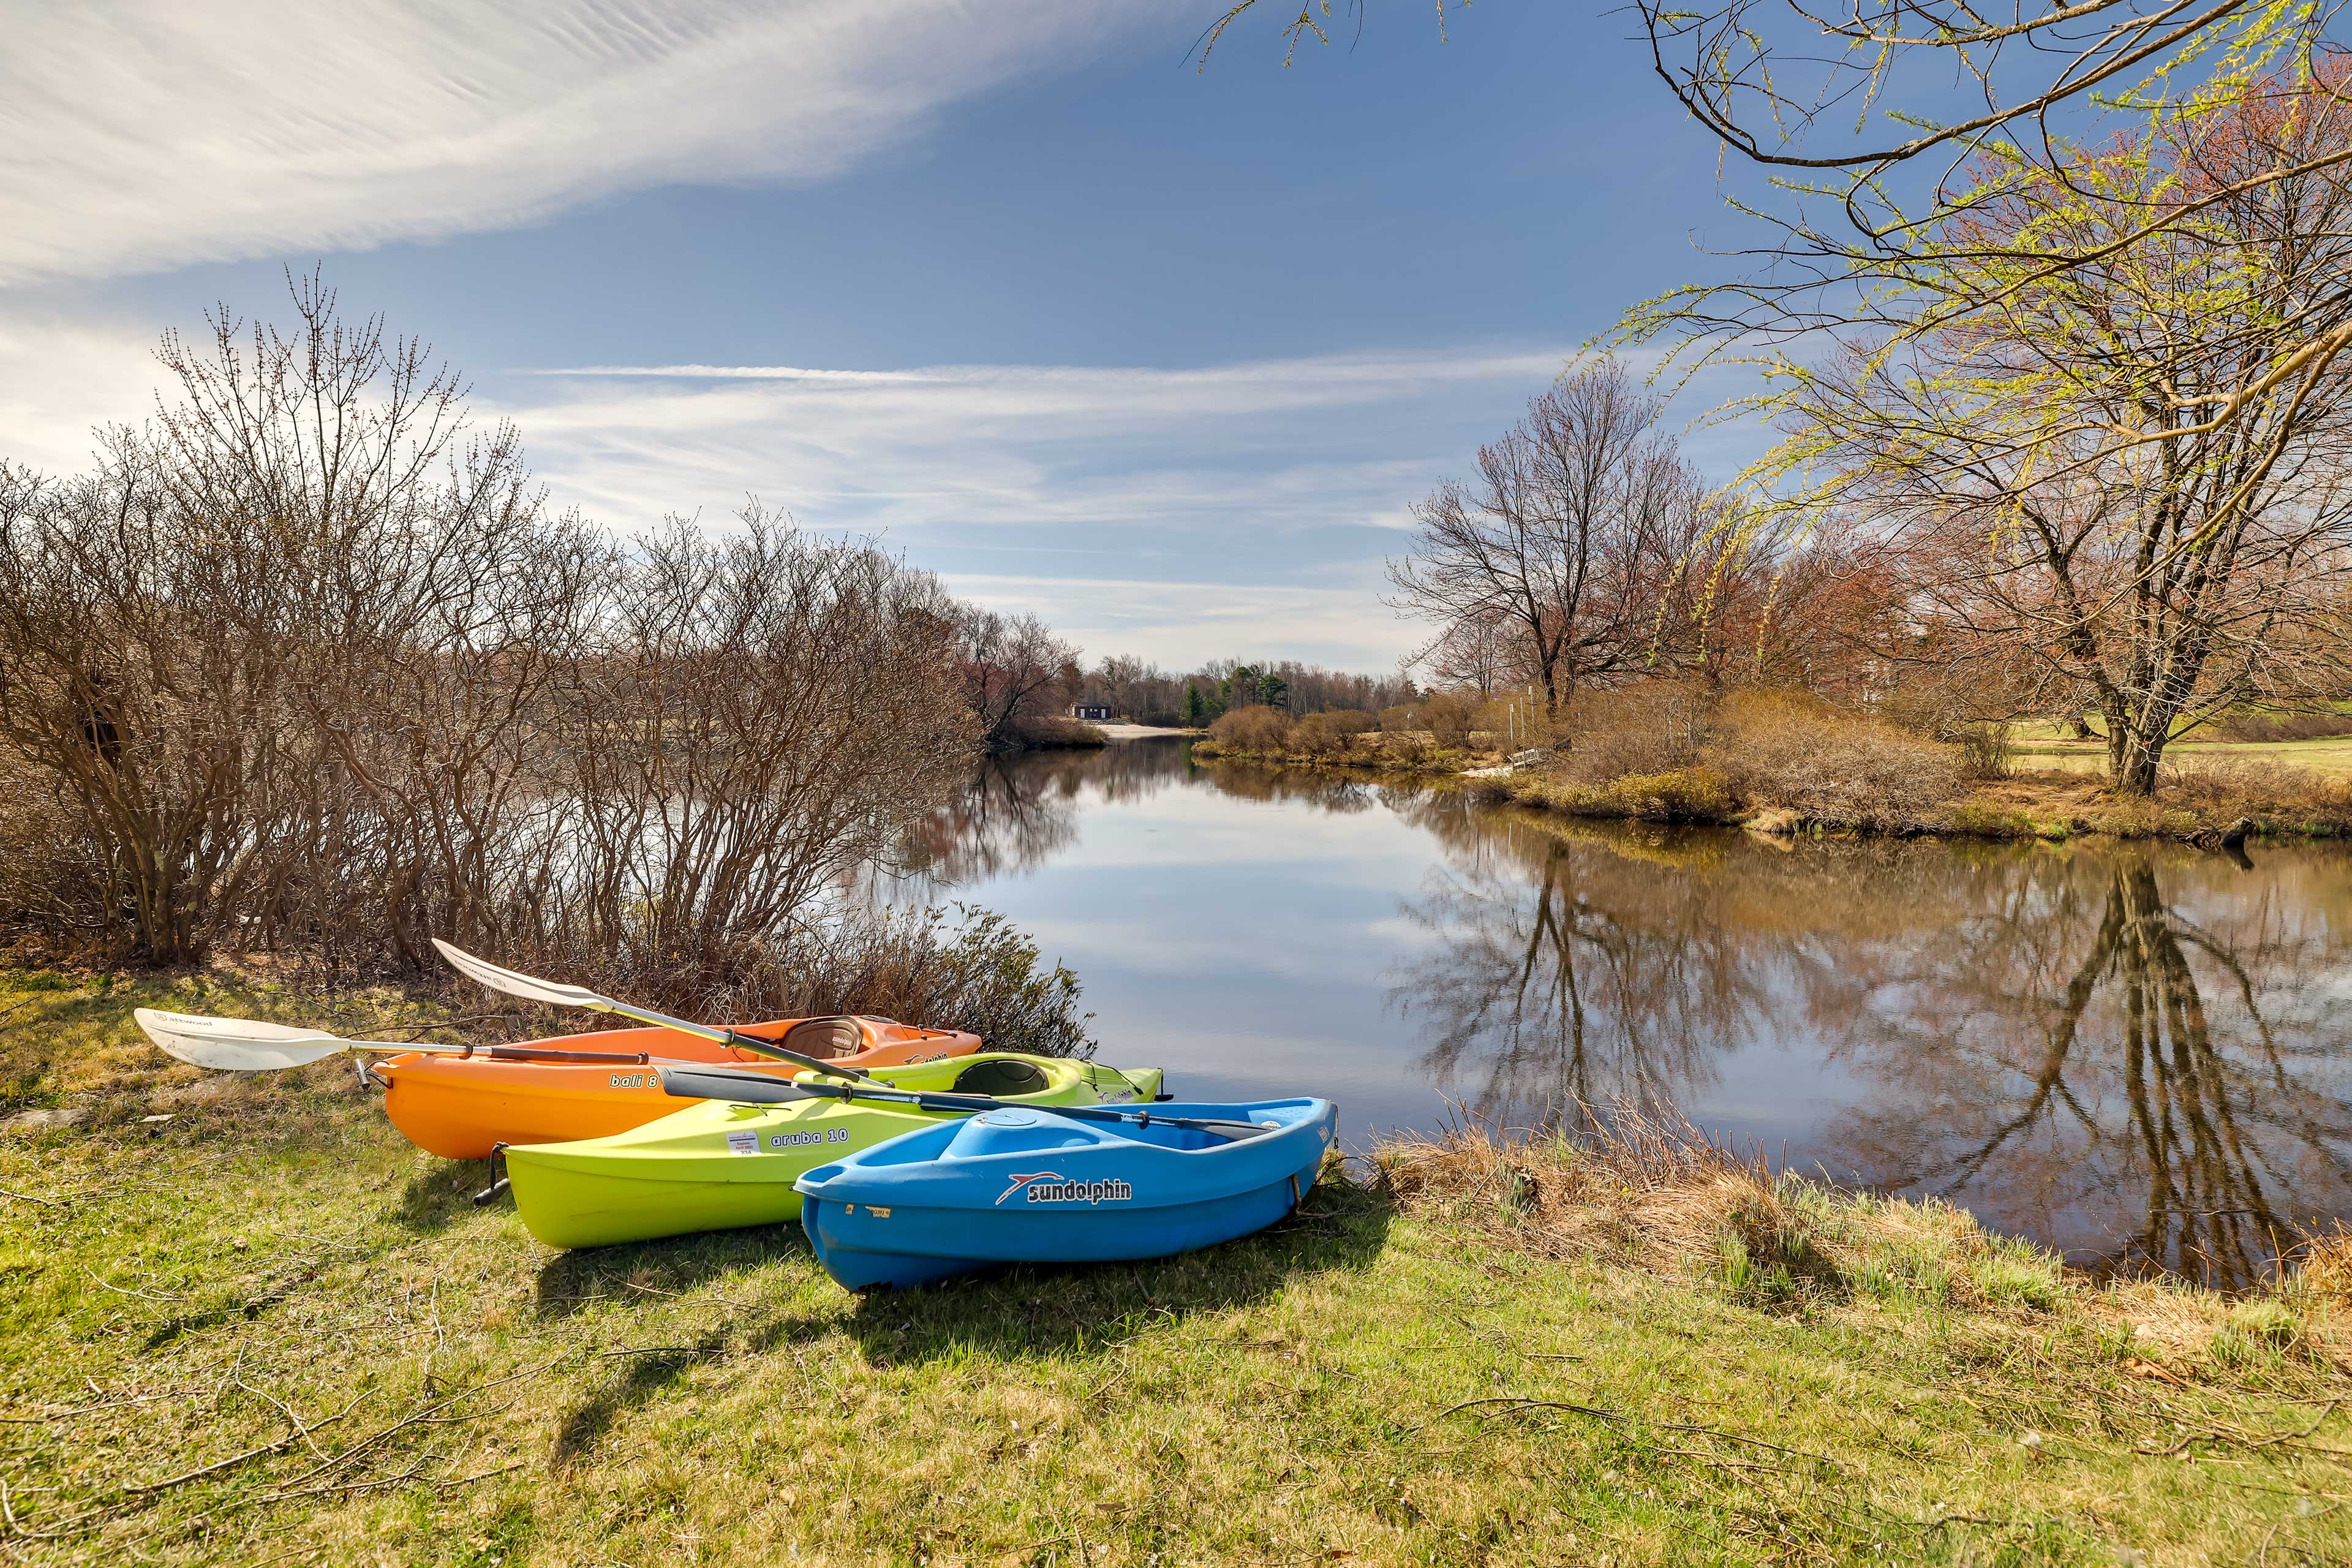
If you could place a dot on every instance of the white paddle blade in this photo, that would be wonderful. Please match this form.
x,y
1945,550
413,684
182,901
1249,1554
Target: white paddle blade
x,y
236,1045
529,987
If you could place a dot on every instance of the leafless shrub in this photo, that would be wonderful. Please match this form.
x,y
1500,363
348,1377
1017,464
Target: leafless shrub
x,y
1255,728
1988,749
1450,716
307,665
1323,736
251,645
1785,749
759,717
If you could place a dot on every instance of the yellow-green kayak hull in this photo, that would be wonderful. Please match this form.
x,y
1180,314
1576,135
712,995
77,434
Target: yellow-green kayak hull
x,y
713,1165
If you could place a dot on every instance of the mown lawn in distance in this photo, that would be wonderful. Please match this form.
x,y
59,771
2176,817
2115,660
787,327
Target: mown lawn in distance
x,y
2042,744
267,1329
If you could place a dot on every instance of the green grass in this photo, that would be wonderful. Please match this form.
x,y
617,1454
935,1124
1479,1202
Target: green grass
x,y
272,1284
2329,755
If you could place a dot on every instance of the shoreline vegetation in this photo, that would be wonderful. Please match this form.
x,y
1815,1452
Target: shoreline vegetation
x,y
246,1320
1780,764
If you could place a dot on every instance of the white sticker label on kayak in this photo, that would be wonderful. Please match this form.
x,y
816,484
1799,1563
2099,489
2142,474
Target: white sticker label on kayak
x,y
744,1143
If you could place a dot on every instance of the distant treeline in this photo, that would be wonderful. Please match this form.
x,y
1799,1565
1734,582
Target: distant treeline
x,y
1147,694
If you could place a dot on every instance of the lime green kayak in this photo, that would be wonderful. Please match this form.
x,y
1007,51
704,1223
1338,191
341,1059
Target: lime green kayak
x,y
713,1165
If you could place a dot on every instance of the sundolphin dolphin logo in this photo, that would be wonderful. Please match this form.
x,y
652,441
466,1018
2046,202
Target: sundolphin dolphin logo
x,y
1021,1182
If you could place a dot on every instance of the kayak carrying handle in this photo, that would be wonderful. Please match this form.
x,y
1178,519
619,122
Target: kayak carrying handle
x,y
490,1194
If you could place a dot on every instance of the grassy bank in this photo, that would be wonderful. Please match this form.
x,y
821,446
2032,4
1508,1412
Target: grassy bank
x,y
1784,774
266,1329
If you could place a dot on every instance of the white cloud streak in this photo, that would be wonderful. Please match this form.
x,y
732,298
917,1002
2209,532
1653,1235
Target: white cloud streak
x,y
1172,513
151,134
1329,439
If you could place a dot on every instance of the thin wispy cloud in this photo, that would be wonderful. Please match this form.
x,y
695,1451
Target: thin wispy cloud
x,y
1322,441
149,134
1155,511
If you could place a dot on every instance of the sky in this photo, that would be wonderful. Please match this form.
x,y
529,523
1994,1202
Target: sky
x,y
1162,353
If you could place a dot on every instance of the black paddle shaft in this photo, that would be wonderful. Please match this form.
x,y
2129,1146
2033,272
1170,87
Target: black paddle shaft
x,y
769,1049
759,1088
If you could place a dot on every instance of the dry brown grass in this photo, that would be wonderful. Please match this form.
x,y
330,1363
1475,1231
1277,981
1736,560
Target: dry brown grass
x,y
1658,1196
2257,725
2269,792
1789,750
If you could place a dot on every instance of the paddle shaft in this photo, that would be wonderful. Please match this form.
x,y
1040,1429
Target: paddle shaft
x,y
932,1100
727,1036
530,987
512,1053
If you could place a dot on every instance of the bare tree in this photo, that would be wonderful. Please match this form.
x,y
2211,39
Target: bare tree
x,y
1551,541
1014,671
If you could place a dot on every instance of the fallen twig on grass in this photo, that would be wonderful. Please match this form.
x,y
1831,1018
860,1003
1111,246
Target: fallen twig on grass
x,y
301,1434
2243,1438
417,1419
1518,1403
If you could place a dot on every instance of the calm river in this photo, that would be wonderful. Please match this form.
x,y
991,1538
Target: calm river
x,y
2134,1054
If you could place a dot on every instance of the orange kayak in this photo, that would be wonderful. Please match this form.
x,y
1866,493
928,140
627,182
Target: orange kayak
x,y
591,1086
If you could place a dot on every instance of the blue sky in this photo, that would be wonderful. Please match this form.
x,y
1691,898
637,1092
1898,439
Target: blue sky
x,y
1160,353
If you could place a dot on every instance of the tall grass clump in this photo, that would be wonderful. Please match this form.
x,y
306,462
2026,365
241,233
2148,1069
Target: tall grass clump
x,y
1791,750
969,969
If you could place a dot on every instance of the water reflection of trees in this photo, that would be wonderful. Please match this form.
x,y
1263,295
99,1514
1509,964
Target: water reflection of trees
x,y
2124,1054
2090,1060
1559,976
1015,812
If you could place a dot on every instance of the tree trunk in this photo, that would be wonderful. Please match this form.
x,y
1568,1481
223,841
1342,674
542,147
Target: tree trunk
x,y
2136,746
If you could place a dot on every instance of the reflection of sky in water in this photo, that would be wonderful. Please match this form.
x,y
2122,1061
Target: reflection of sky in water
x,y
1251,947
1953,1018
1241,944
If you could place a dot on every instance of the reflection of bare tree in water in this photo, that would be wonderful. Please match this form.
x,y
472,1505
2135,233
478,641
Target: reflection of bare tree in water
x,y
1555,981
2121,1116
1014,811
1327,789
2044,1036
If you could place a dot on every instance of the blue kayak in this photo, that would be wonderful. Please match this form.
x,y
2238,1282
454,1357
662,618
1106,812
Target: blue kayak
x,y
1023,1185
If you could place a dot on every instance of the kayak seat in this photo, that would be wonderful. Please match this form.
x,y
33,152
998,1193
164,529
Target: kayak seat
x,y
1001,1078
824,1038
